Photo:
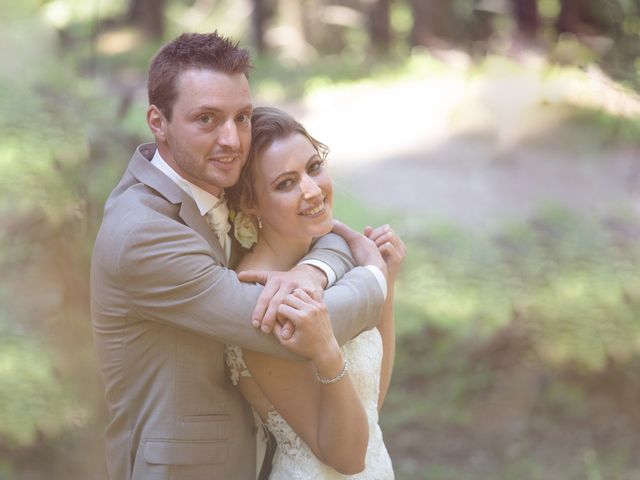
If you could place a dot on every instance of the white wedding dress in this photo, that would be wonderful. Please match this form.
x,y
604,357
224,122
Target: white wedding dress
x,y
293,459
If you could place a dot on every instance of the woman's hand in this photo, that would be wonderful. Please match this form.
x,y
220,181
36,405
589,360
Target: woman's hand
x,y
313,336
363,249
391,247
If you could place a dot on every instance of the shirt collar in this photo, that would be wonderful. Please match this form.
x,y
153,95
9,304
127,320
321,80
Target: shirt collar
x,y
205,201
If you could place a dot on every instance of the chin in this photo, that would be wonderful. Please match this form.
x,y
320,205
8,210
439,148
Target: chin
x,y
325,227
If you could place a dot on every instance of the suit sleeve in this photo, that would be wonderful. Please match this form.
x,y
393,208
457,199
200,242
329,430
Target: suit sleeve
x,y
355,301
332,250
170,277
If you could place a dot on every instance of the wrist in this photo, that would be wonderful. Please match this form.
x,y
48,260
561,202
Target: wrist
x,y
315,274
385,271
329,362
337,378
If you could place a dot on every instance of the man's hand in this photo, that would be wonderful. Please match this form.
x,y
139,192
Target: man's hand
x,y
277,285
364,250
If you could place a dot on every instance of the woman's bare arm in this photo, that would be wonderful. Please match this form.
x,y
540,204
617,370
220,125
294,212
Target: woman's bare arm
x,y
329,418
393,252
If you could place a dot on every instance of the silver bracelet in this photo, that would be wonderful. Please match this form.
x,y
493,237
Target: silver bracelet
x,y
327,381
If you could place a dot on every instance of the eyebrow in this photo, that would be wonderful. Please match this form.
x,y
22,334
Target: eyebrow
x,y
311,158
213,108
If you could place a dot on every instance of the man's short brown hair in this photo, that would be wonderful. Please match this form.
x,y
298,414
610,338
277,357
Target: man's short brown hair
x,y
207,51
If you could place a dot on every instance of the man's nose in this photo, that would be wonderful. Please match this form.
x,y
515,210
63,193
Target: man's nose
x,y
309,187
228,135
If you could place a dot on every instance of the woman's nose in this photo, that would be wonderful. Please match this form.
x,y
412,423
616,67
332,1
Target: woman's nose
x,y
309,188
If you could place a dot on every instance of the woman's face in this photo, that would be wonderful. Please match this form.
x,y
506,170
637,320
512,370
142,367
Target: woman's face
x,y
293,190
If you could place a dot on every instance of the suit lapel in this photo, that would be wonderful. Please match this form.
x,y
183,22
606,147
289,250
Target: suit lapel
x,y
191,215
141,168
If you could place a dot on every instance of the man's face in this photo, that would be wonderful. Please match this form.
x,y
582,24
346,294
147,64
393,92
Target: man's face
x,y
208,137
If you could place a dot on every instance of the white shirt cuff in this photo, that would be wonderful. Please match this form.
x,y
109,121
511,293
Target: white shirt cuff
x,y
328,271
379,277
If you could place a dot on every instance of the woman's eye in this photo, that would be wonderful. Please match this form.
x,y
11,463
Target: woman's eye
x,y
285,184
315,167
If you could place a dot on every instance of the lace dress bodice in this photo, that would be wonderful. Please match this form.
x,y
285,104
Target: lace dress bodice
x,y
293,459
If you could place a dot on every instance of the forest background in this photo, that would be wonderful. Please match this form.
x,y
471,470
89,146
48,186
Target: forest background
x,y
500,138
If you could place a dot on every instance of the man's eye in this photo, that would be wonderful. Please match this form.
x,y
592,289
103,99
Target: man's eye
x,y
244,118
205,119
283,185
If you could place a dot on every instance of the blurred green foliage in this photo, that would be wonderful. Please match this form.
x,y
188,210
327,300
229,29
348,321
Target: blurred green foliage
x,y
56,134
559,274
33,401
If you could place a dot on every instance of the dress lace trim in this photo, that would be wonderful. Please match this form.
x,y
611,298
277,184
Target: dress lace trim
x,y
235,362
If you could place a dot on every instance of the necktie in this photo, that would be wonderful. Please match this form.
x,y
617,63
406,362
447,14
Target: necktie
x,y
218,220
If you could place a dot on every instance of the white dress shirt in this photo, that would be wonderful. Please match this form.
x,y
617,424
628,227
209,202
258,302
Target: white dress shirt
x,y
204,200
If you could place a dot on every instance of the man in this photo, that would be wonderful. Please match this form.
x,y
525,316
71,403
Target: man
x,y
163,299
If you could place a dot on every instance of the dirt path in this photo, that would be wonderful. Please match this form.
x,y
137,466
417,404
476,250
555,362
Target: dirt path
x,y
475,151
461,182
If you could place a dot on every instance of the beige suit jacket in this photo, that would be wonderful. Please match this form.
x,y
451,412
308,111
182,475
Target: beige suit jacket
x,y
163,305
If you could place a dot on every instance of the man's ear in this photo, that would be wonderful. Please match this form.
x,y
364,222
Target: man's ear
x,y
157,123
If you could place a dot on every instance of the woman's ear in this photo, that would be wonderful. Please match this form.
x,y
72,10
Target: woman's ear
x,y
157,123
251,209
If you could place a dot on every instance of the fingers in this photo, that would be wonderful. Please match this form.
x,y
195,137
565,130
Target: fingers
x,y
258,276
277,286
384,234
310,327
270,315
304,295
255,276
393,246
288,314
315,294
277,331
264,311
390,246
384,238
298,304
345,232
298,299
389,251
284,330
377,232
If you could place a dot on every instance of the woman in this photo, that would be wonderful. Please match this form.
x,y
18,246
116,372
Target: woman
x,y
324,412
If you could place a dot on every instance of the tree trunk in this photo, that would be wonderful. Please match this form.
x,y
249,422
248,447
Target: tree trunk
x,y
258,21
148,15
581,17
294,37
526,13
380,25
432,22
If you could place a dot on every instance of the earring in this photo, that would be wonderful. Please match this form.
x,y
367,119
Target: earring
x,y
259,222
